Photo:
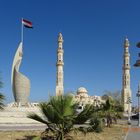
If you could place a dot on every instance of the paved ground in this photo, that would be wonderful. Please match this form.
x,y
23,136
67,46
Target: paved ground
x,y
25,127
18,127
133,132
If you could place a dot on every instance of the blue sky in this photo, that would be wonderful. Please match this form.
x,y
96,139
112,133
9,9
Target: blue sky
x,y
93,31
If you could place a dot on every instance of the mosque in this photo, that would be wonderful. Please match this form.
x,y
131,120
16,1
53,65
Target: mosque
x,y
82,96
16,112
21,84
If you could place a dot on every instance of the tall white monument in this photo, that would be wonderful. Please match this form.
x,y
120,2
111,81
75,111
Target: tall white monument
x,y
20,83
126,90
59,65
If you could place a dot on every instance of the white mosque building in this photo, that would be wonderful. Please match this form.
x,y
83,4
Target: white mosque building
x,y
83,98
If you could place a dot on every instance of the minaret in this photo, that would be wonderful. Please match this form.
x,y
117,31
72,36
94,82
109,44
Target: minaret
x,y
59,65
126,90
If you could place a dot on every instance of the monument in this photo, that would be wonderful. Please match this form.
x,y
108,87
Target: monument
x,y
126,90
20,83
16,112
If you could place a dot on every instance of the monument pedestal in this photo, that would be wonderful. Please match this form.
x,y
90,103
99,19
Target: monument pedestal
x,y
18,115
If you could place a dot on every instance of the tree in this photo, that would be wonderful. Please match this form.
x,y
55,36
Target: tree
x,y
116,95
112,110
1,96
59,115
117,102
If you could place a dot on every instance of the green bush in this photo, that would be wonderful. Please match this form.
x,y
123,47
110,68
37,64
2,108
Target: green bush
x,y
96,124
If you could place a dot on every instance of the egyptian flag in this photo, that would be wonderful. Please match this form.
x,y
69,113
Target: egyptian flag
x,y
27,23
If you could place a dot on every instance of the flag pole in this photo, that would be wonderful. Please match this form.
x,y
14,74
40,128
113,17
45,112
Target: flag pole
x,y
22,31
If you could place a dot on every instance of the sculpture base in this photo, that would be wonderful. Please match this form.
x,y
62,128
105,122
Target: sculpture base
x,y
26,105
18,114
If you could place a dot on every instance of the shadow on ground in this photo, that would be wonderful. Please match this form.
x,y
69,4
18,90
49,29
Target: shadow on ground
x,y
35,138
28,138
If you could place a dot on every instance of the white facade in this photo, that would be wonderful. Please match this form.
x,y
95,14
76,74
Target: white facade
x,y
126,90
82,98
59,65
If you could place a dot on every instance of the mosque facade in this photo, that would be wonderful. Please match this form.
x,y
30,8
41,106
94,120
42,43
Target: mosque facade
x,y
83,98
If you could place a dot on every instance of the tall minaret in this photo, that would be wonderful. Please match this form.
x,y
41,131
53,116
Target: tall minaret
x,y
59,65
126,90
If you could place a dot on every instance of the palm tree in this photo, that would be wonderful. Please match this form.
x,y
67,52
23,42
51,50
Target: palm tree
x,y
1,101
112,110
1,96
59,115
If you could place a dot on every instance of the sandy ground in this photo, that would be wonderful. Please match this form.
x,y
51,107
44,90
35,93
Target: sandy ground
x,y
116,132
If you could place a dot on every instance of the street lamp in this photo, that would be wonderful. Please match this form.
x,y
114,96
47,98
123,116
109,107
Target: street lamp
x,y
137,64
138,95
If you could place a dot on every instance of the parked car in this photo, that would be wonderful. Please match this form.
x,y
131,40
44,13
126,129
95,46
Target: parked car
x,y
135,117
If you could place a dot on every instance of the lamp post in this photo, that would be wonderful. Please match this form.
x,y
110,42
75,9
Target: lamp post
x,y
138,95
137,64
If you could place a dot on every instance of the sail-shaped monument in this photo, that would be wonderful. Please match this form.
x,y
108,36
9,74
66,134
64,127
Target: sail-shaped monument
x,y
20,83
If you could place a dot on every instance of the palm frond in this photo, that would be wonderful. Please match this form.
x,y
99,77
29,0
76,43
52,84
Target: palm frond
x,y
68,107
84,115
2,97
38,118
62,105
50,113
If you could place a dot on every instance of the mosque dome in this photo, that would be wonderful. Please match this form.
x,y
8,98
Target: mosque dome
x,y
81,90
